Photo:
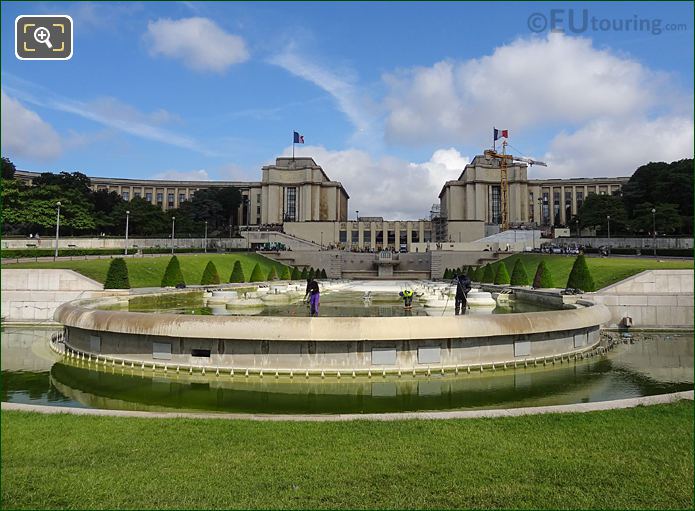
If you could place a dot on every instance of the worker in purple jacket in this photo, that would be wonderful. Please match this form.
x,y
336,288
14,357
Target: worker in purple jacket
x,y
312,291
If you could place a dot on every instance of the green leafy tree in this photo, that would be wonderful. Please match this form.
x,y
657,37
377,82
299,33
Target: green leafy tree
x,y
172,274
488,274
145,219
237,273
666,219
542,278
595,211
8,169
286,273
296,274
580,276
210,275
502,275
272,274
257,274
117,275
519,275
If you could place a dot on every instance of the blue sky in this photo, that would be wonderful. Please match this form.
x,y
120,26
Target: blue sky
x,y
392,98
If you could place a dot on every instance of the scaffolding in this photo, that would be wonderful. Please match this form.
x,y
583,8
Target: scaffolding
x,y
439,223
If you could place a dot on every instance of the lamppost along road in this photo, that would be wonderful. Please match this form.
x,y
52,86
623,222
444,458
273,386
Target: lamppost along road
x,y
127,217
173,221
654,230
205,246
608,218
55,255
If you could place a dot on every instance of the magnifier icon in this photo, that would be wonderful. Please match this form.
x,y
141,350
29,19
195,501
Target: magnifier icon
x,y
43,36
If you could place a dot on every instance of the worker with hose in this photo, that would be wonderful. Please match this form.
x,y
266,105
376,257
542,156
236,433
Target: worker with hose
x,y
463,286
312,291
407,295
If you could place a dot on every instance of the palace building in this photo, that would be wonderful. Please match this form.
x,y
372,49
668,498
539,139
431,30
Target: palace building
x,y
296,195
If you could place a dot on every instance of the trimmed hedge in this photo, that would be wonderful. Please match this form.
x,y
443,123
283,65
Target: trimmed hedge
x,y
488,274
81,252
580,276
286,273
257,274
502,275
323,274
311,275
237,273
305,272
210,275
543,278
519,275
172,275
296,274
272,274
117,275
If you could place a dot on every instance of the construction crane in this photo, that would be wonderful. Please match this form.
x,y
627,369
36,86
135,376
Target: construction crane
x,y
503,157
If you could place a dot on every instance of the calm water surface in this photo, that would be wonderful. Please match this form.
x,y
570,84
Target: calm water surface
x,y
32,373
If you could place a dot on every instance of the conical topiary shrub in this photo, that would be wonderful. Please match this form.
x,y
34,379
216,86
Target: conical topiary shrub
x,y
237,273
478,274
304,274
447,274
470,272
580,276
519,275
117,275
296,274
257,274
323,274
272,274
502,275
311,274
173,275
543,278
210,275
286,273
488,274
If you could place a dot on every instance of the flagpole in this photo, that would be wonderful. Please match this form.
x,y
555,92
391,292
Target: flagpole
x,y
493,139
292,147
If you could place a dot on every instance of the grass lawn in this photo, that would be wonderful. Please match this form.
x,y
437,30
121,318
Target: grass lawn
x,y
604,270
635,458
148,271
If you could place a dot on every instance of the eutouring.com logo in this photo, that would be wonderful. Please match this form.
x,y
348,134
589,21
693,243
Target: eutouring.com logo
x,y
579,21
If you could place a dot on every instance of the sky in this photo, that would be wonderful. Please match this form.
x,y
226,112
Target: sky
x,y
392,99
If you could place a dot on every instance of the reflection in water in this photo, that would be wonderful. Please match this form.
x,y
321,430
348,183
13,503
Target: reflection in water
x,y
31,375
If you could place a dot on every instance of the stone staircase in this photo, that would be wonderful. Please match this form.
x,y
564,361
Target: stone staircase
x,y
436,266
288,240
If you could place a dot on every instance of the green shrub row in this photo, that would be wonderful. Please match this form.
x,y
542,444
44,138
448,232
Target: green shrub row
x,y
77,252
579,278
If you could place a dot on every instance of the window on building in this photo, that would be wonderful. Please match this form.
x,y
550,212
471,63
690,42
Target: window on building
x,y
380,238
531,205
342,236
355,236
367,236
160,198
391,237
137,195
545,211
580,199
182,198
125,196
556,208
428,237
495,211
568,205
291,204
170,200
258,210
415,236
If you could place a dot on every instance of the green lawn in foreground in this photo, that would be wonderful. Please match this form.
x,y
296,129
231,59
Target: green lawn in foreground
x,y
148,271
635,458
604,270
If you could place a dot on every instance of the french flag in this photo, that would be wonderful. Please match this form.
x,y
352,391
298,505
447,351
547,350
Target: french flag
x,y
298,139
500,133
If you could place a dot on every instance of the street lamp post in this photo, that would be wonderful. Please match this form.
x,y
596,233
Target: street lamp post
x,y
654,230
248,219
173,222
127,217
540,221
55,255
205,246
321,240
357,212
608,219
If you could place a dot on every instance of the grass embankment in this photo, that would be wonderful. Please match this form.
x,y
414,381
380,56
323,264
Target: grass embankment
x,y
148,271
604,270
635,458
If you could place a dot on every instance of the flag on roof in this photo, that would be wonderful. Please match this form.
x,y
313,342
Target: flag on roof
x,y
298,139
500,133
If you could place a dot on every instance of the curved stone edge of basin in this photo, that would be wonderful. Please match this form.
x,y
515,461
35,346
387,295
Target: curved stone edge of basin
x,y
78,315
444,415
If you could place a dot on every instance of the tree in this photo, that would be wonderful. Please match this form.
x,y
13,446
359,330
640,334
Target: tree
x,y
470,272
286,273
323,274
519,275
488,274
502,275
666,218
478,274
447,274
117,275
237,273
296,274
542,278
172,274
272,274
145,219
304,273
210,275
312,274
257,274
580,277
596,209
8,169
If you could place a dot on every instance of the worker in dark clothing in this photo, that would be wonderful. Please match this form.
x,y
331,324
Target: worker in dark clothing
x,y
463,286
312,291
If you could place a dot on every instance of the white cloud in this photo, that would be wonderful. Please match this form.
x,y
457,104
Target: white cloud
x,y
557,79
199,42
388,186
614,147
25,134
187,175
